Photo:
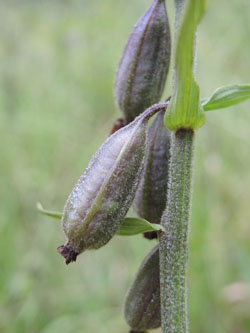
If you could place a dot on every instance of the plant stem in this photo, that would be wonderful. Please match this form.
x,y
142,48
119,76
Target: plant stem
x,y
174,242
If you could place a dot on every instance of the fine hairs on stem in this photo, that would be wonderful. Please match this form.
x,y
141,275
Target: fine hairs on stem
x,y
174,242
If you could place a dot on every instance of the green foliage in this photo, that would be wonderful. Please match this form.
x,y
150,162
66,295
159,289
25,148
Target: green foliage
x,y
133,226
184,110
224,97
50,213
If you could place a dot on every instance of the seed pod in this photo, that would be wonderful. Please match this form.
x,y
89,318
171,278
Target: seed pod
x,y
102,196
142,71
151,195
142,308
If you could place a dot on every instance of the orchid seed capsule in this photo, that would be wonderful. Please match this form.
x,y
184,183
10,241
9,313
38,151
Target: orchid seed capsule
x,y
142,71
142,309
102,196
151,194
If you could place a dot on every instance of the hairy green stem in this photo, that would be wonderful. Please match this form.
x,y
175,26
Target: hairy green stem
x,y
174,242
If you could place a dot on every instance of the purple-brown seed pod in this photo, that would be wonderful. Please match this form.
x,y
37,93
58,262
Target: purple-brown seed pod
x,y
102,196
151,194
143,68
142,309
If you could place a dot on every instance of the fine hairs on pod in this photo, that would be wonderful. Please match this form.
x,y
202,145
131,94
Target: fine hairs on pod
x,y
142,71
151,195
102,196
142,308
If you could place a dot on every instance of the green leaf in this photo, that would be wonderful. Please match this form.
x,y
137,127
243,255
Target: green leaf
x,y
224,97
56,215
134,226
131,226
184,110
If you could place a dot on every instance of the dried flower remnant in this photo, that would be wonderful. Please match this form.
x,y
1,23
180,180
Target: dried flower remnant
x,y
142,308
143,68
102,196
118,124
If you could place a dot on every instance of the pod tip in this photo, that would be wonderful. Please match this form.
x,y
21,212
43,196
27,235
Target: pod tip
x,y
68,253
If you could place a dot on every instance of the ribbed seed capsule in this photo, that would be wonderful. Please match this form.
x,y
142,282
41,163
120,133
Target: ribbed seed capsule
x,y
142,71
151,195
102,196
142,308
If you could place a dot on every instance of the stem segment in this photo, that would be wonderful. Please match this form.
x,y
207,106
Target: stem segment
x,y
174,242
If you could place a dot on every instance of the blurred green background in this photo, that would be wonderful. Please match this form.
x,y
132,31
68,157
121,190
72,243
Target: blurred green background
x,y
57,65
